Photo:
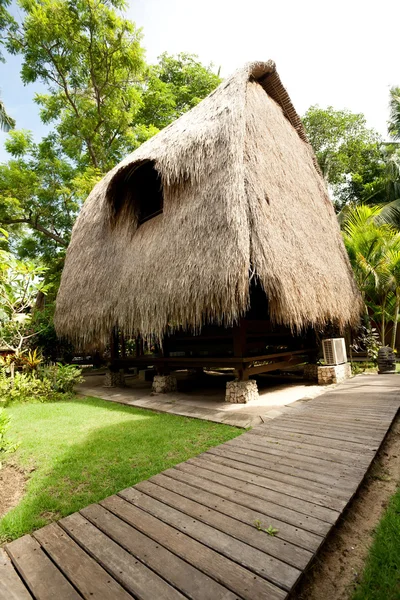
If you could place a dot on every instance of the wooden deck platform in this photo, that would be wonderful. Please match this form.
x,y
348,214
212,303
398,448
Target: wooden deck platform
x,y
197,530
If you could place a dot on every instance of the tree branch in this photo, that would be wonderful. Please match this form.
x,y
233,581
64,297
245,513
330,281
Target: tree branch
x,y
38,227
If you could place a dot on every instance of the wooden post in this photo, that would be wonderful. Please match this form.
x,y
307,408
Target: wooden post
x,y
114,345
239,347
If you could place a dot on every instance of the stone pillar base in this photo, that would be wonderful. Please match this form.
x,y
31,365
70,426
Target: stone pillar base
x,y
114,379
333,373
241,392
311,372
163,384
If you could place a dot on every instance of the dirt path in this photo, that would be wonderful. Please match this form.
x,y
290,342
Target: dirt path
x,y
340,564
12,486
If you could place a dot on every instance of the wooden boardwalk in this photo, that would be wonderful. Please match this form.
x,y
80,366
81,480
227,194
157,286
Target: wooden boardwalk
x,y
197,530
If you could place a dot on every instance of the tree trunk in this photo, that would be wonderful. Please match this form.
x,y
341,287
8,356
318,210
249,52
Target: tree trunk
x,y
383,330
396,316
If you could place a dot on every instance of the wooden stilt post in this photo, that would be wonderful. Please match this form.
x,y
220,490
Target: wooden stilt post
x,y
239,347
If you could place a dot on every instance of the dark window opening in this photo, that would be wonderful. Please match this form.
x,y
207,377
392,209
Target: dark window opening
x,y
147,192
137,193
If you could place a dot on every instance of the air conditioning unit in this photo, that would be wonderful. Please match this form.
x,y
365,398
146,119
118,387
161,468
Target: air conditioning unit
x,y
334,351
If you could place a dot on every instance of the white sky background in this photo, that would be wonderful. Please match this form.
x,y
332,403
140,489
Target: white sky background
x,y
344,54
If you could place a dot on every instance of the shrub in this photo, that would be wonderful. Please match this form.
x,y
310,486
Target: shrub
x,y
24,387
63,377
46,384
5,445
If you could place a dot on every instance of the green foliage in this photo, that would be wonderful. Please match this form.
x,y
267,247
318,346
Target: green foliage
x,y
394,117
5,445
46,339
381,577
260,527
25,387
173,86
63,378
86,450
39,191
367,340
20,283
46,383
373,246
349,154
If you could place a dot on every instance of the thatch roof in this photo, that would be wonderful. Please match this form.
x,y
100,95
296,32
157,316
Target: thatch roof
x,y
243,197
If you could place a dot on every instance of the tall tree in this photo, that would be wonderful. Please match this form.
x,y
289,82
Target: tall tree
x,y
39,190
91,60
173,86
349,154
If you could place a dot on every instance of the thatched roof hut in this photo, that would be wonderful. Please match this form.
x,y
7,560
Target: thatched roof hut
x,y
172,235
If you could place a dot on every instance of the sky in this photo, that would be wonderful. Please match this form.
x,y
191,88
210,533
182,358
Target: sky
x,y
344,54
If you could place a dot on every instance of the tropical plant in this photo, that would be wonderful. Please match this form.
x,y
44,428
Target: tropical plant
x,y
63,377
5,445
20,282
373,246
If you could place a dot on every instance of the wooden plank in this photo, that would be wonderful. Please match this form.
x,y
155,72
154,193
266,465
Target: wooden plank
x,y
264,565
39,574
356,419
340,419
316,497
274,546
273,510
282,450
310,465
233,576
294,535
88,577
132,574
335,454
326,433
318,439
301,506
11,586
343,456
186,578
278,470
358,434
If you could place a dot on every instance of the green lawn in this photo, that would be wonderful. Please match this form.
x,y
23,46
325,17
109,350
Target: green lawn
x,y
381,577
81,451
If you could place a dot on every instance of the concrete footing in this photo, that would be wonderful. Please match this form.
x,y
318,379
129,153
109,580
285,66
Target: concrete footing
x,y
241,392
333,373
114,379
327,374
162,384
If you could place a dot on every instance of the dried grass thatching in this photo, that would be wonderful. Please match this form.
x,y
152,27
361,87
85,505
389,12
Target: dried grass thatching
x,y
243,197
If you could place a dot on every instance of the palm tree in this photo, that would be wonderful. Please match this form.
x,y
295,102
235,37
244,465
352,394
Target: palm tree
x,y
6,122
373,246
394,117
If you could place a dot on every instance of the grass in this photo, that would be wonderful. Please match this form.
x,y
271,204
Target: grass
x,y
81,451
381,577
